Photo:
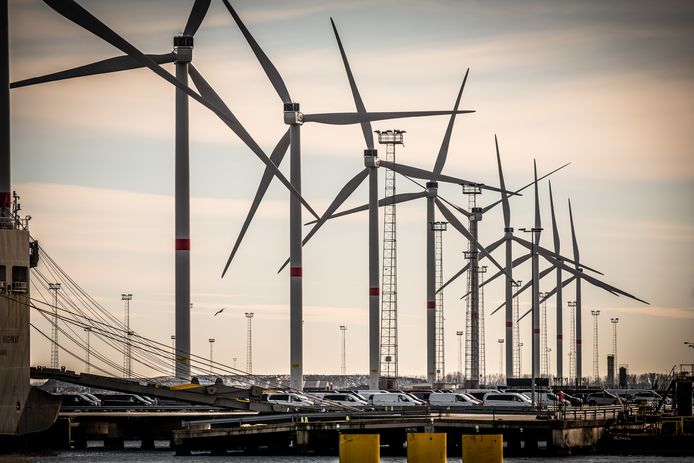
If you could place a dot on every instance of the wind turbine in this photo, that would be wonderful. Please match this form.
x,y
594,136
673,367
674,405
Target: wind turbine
x,y
431,194
181,56
477,215
295,119
577,275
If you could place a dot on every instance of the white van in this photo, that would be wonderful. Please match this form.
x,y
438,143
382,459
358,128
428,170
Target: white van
x,y
506,399
289,399
392,399
447,399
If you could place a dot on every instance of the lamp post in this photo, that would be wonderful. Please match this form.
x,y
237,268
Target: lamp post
x,y
173,349
520,359
614,322
211,344
343,364
596,371
501,355
460,356
87,330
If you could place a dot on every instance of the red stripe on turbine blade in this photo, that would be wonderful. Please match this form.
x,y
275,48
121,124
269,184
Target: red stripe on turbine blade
x,y
509,324
295,272
431,304
374,291
182,244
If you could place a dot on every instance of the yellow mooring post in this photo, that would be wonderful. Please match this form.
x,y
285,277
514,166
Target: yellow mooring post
x,y
360,448
483,448
426,447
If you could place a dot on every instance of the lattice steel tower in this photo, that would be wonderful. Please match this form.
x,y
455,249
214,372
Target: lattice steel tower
x,y
516,331
55,287
472,302
544,353
596,358
249,344
343,365
127,352
614,322
439,228
483,352
572,341
389,280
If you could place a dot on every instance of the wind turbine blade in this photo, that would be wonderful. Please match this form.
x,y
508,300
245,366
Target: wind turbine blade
x,y
457,208
428,175
549,294
197,14
457,224
356,118
341,197
116,64
276,157
546,253
516,262
555,230
538,220
443,151
365,125
526,186
593,281
502,185
454,277
230,120
573,236
75,13
397,199
268,67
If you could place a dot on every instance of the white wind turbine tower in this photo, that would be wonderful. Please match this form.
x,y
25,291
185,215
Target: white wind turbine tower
x,y
181,56
295,119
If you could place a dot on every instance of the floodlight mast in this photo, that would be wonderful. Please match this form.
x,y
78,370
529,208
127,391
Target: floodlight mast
x,y
5,165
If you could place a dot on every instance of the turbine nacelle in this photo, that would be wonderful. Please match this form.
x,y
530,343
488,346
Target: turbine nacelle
x,y
476,214
292,115
371,158
183,48
432,189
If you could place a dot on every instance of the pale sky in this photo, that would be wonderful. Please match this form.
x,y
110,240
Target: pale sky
x,y
607,86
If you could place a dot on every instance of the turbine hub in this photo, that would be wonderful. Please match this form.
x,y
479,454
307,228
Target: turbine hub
x,y
371,158
292,115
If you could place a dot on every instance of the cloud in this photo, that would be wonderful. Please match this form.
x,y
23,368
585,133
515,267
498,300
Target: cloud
x,y
686,313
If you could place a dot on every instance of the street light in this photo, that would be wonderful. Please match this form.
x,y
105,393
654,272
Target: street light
x,y
501,355
460,356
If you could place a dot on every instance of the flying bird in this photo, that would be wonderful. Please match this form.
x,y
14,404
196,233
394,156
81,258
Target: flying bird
x,y
219,311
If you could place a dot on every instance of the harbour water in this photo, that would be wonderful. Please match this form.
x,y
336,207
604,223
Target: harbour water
x,y
167,456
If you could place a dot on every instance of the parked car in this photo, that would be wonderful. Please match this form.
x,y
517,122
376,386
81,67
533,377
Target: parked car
x,y
421,395
506,399
289,399
479,393
393,399
368,393
453,400
648,397
572,400
602,398
345,399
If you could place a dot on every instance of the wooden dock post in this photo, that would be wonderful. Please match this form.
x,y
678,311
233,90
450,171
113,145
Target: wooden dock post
x,y
360,448
426,447
483,448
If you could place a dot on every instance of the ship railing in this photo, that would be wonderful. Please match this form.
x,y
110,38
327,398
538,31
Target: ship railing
x,y
589,412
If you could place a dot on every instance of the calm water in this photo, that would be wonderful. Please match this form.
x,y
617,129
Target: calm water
x,y
160,456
